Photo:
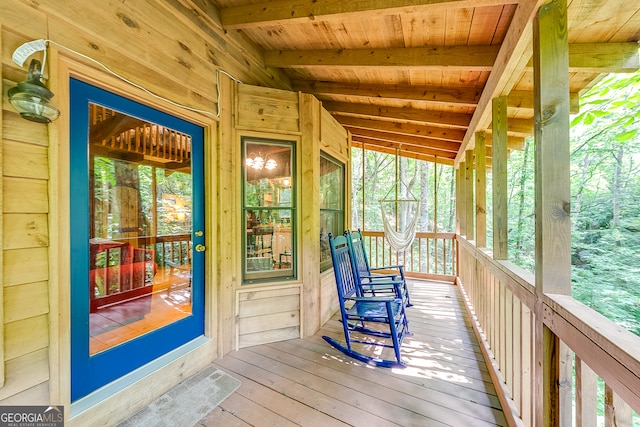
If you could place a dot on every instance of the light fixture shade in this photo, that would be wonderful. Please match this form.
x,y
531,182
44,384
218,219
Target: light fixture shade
x,y
32,99
271,164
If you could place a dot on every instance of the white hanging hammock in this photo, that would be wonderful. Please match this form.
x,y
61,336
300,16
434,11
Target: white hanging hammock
x,y
400,240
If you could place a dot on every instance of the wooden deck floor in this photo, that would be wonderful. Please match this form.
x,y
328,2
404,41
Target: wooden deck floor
x,y
306,382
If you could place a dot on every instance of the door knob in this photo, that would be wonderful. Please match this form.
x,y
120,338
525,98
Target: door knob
x,y
200,248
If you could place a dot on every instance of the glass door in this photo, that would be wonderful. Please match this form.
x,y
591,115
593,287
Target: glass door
x,y
137,237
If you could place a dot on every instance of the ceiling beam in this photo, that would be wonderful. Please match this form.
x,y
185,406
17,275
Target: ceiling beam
x,y
518,127
602,57
446,134
467,97
584,57
512,59
406,139
404,152
513,142
415,148
449,95
436,118
282,12
523,100
471,58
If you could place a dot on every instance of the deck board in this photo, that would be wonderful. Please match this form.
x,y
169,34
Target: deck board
x,y
307,382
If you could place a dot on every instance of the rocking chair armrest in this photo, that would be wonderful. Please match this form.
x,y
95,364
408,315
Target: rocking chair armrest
x,y
381,277
400,267
373,299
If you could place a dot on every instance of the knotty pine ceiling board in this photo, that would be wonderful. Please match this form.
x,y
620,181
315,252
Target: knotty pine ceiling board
x,y
600,21
503,24
457,27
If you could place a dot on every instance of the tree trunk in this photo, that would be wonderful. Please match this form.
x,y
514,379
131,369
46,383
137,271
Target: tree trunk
x,y
127,200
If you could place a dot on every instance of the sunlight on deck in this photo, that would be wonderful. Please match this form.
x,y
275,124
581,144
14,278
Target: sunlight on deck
x,y
308,382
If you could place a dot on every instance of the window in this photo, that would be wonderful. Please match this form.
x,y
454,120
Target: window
x,y
268,210
331,205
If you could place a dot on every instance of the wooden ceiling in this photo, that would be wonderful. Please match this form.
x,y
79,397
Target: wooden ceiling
x,y
418,76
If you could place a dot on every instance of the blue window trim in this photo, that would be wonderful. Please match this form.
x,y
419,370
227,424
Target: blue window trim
x,y
89,373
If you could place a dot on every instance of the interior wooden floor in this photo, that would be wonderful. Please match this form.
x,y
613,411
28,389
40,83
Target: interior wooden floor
x,y
308,383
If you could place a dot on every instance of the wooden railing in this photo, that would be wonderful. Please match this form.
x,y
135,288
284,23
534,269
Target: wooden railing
x,y
116,131
503,301
169,249
432,255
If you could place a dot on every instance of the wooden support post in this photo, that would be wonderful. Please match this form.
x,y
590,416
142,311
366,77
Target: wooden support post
x,y
310,251
468,186
228,152
552,204
481,190
462,199
499,178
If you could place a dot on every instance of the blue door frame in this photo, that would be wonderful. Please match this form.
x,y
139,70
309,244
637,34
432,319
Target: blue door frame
x,y
90,372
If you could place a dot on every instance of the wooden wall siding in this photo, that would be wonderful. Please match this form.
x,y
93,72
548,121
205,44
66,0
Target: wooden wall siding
x,y
173,49
333,137
328,296
183,40
262,109
268,314
25,240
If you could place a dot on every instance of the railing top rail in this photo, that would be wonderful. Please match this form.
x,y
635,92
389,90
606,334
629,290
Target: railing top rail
x,y
420,234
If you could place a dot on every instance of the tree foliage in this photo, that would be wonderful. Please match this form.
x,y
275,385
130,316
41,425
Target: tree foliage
x,y
376,176
605,188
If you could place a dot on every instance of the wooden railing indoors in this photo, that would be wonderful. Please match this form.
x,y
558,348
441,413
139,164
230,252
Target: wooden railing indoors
x,y
169,249
432,255
116,131
503,301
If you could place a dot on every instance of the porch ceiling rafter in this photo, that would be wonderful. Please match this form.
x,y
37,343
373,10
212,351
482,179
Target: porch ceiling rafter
x,y
444,146
398,64
436,118
410,147
436,95
461,96
404,151
285,12
592,57
469,58
515,53
439,133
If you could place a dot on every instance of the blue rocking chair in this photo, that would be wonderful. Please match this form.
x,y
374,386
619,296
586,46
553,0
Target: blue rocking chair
x,y
376,283
361,314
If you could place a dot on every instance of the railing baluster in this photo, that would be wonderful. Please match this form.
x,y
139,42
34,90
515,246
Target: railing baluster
x,y
586,395
616,411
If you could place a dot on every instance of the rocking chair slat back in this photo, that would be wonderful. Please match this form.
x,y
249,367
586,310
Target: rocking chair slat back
x,y
376,283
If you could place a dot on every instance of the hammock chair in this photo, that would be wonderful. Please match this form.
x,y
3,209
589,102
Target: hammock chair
x,y
400,239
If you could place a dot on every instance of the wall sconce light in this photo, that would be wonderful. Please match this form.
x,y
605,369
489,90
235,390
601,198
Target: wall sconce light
x,y
32,99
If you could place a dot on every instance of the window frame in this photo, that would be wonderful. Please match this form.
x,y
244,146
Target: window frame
x,y
261,276
326,264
